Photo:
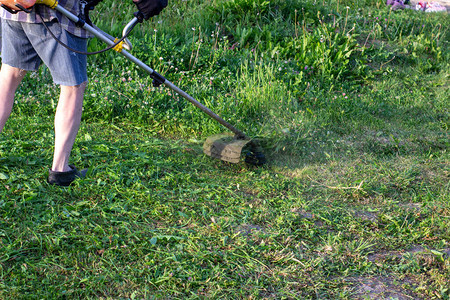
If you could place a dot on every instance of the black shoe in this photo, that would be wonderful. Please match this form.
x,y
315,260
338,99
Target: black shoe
x,y
65,178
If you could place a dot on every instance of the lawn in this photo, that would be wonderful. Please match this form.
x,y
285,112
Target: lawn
x,y
350,103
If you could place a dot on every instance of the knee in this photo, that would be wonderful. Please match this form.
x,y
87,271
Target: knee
x,y
11,76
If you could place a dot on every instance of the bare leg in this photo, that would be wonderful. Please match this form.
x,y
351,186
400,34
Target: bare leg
x,y
10,79
67,123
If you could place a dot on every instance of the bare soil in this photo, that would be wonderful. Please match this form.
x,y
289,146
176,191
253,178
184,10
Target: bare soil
x,y
379,287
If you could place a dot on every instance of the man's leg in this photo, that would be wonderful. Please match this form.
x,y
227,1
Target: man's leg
x,y
67,123
10,79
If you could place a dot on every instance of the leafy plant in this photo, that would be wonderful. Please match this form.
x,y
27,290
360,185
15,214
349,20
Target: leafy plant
x,y
328,52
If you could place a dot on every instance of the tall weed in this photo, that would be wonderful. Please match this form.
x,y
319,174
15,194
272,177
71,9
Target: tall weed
x,y
332,54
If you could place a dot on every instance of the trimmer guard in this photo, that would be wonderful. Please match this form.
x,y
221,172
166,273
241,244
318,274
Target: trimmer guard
x,y
225,147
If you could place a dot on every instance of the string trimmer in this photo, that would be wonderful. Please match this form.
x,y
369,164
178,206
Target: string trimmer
x,y
227,147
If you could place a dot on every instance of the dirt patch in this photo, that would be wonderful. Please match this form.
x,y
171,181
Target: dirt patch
x,y
383,255
249,229
447,251
366,215
307,215
379,287
415,207
303,213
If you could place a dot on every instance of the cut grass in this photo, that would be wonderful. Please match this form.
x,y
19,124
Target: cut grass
x,y
156,217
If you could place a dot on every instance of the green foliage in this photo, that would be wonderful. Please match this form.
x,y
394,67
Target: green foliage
x,y
332,55
423,49
262,24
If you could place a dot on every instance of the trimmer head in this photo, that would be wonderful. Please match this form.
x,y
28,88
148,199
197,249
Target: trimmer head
x,y
227,147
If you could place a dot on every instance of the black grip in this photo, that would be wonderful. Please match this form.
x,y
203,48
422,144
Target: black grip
x,y
158,79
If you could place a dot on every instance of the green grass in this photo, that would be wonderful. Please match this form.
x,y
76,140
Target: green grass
x,y
353,203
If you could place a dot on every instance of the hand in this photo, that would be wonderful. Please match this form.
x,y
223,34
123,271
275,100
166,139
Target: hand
x,y
150,8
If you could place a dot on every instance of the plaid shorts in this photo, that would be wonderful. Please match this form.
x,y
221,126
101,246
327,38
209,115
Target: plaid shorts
x,y
27,45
